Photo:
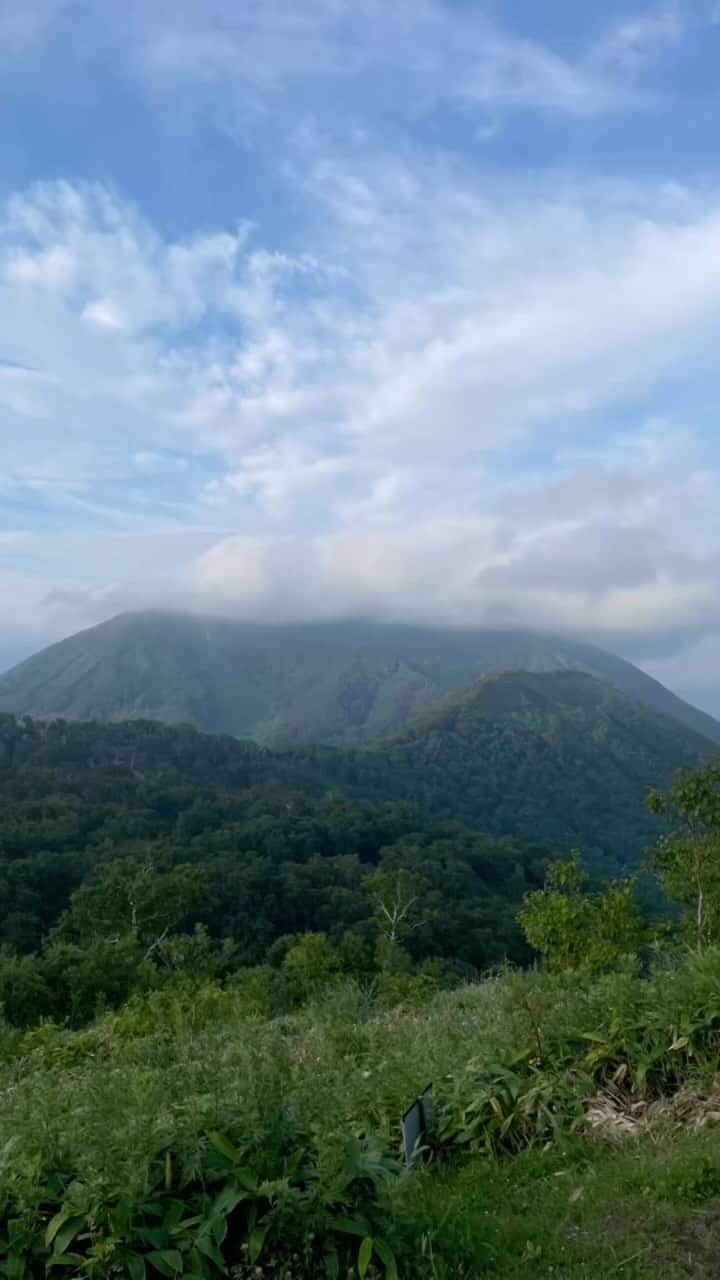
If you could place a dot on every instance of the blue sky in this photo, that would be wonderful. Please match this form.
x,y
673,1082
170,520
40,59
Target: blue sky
x,y
317,307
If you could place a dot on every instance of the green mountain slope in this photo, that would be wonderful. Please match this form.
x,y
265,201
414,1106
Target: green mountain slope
x,y
556,759
560,757
343,683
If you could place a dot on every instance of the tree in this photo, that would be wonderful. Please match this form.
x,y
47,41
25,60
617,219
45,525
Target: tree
x,y
572,928
395,897
687,859
131,897
313,959
100,974
617,928
194,957
355,956
24,995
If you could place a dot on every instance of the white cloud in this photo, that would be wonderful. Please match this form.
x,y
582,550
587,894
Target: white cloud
x,y
603,549
94,253
512,73
246,63
491,312
274,473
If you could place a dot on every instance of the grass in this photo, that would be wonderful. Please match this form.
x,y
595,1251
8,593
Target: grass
x,y
120,1115
644,1211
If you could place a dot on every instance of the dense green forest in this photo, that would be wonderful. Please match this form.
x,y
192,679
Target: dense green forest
x,y
532,765
265,862
132,853
285,840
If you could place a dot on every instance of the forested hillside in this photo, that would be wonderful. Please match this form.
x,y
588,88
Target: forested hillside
x,y
284,839
273,860
559,757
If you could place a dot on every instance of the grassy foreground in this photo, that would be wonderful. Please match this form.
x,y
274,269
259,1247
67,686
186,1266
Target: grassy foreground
x,y
190,1136
647,1210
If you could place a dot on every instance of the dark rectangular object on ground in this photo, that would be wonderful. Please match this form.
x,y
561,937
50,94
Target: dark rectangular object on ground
x,y
417,1122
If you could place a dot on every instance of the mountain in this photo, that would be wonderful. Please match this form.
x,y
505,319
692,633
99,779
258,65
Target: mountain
x,y
345,683
561,758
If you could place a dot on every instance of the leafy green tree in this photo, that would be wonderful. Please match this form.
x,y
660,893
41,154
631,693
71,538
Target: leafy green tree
x,y
194,957
572,928
101,974
356,956
313,959
276,955
392,958
687,858
130,897
24,994
617,928
556,919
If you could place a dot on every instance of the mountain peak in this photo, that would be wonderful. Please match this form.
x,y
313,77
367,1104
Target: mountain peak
x,y
346,682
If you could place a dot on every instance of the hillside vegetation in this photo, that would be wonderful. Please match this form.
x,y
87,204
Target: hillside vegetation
x,y
189,1135
345,683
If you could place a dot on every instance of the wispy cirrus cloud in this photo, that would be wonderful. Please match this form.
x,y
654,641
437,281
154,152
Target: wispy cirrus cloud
x,y
247,62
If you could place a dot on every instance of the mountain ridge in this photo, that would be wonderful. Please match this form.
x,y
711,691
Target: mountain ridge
x,y
560,756
343,683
